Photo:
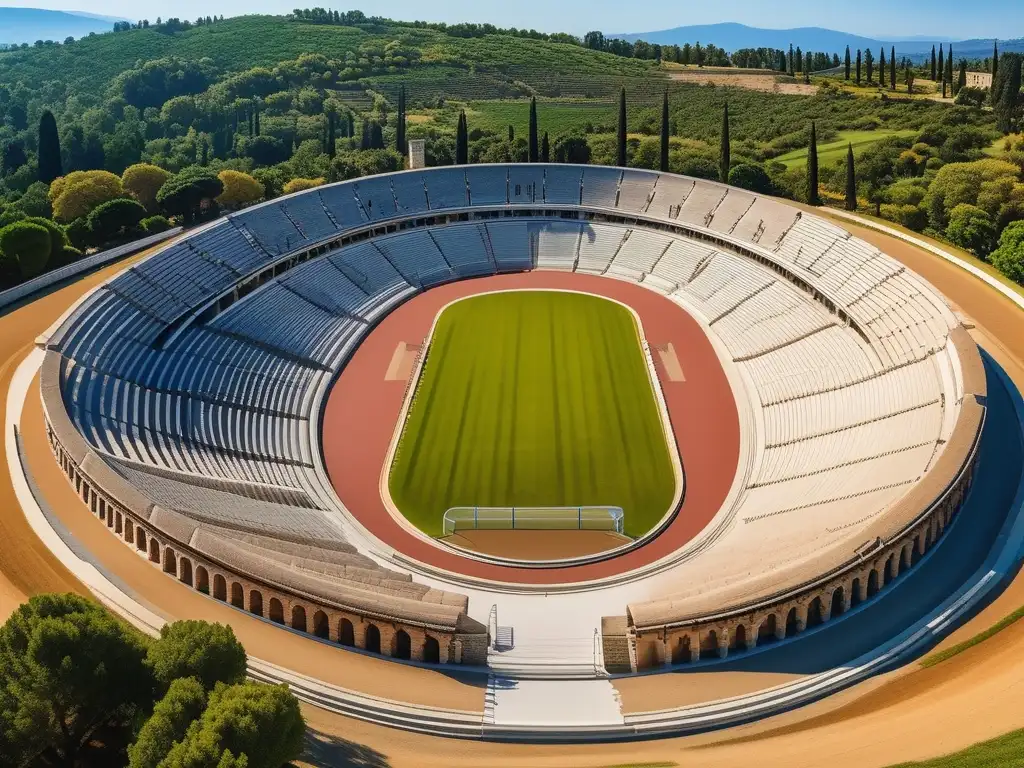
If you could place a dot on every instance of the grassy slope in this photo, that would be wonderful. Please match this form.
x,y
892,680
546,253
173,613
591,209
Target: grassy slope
x,y
1007,751
534,399
829,152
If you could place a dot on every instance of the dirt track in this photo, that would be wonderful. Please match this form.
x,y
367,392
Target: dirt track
x,y
914,714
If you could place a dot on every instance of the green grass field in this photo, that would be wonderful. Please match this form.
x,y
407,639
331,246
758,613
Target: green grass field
x,y
534,398
832,151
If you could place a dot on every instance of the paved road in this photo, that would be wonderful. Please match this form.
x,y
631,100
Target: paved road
x,y
918,591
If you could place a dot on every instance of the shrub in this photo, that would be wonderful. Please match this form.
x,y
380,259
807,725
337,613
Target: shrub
x,y
142,181
752,177
79,193
971,97
78,234
154,225
29,244
58,237
971,229
240,189
1008,258
114,218
298,185
66,256
910,216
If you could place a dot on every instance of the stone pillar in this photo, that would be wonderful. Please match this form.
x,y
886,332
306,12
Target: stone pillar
x,y
862,587
444,649
751,637
847,597
666,651
801,618
723,645
387,639
695,647
826,609
417,639
456,654
359,634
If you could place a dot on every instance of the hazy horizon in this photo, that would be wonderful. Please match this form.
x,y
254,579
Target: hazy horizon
x,y
940,19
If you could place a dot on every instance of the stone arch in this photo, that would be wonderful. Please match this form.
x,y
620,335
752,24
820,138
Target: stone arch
x,y
202,579
403,645
118,523
431,650
681,649
299,618
321,626
890,570
237,595
739,638
256,602
792,623
129,530
346,632
815,612
220,586
927,538
710,641
873,583
372,638
838,601
170,561
275,611
855,588
154,550
185,571
768,631
140,540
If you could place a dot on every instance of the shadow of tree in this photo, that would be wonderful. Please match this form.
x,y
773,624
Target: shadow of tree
x,y
324,750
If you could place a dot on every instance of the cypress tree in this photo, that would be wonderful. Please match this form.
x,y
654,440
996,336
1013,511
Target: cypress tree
x,y
934,73
256,124
400,127
851,181
892,68
534,148
249,113
724,157
351,125
812,169
995,68
791,70
858,66
620,155
545,149
49,148
462,141
949,69
798,60
332,146
511,134
807,68
942,65
847,64
663,165
1007,99
961,79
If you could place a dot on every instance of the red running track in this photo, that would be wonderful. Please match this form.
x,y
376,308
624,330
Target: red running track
x,y
363,409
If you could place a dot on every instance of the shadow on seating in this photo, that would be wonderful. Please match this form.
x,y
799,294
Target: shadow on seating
x,y
324,750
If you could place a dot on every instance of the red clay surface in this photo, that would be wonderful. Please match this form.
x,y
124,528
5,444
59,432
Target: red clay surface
x,y
363,409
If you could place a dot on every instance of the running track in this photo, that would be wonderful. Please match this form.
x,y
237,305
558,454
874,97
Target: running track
x,y
363,409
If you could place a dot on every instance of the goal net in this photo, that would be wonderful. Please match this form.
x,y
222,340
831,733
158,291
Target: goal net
x,y
591,518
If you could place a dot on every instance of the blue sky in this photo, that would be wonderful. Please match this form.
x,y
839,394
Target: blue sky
x,y
874,18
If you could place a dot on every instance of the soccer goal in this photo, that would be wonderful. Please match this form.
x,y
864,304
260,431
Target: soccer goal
x,y
591,518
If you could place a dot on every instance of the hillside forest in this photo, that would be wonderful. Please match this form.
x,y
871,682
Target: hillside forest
x,y
113,136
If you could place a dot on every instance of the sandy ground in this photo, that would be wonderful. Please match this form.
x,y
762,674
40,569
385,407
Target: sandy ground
x,y
765,83
908,715
538,545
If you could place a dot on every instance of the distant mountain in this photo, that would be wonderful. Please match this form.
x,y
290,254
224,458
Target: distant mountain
x,y
732,36
26,25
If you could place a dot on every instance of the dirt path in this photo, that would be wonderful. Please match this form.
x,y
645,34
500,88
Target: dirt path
x,y
362,411
763,83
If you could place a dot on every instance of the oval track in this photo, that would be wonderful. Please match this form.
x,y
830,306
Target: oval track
x,y
363,409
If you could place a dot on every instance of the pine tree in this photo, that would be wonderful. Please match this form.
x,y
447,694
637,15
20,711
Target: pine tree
x,y
847,64
400,143
812,169
851,181
934,73
724,162
620,155
881,68
49,148
462,141
663,165
534,148
892,68
858,66
545,149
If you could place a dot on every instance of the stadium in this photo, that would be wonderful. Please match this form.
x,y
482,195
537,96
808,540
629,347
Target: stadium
x,y
537,422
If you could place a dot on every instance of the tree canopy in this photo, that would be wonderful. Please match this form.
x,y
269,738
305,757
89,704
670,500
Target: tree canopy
x,y
197,649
